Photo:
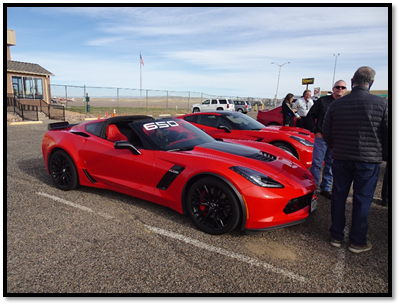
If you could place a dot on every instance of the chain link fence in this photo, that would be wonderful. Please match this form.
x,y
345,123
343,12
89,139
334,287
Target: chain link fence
x,y
122,98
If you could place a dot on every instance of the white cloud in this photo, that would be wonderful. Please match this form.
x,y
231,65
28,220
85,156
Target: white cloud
x,y
226,49
105,41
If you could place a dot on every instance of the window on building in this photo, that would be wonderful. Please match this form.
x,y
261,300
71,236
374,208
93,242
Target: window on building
x,y
28,87
17,86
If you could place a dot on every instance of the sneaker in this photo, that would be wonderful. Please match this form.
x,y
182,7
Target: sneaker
x,y
354,248
335,243
326,194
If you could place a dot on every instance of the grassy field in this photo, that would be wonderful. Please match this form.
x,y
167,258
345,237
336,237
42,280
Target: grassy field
x,y
96,111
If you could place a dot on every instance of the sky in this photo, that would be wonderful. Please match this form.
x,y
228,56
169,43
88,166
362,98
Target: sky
x,y
218,50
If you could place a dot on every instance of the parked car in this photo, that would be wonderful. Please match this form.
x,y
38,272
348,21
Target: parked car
x,y
213,105
228,125
272,116
275,116
242,106
220,185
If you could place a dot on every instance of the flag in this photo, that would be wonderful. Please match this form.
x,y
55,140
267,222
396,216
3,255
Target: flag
x,y
140,56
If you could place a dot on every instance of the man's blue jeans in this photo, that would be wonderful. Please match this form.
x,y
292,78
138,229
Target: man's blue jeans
x,y
321,152
364,176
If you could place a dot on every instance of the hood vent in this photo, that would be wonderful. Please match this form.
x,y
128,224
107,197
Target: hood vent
x,y
263,156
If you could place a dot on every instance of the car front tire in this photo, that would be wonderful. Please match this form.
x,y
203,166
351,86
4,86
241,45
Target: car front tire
x,y
213,206
196,110
286,147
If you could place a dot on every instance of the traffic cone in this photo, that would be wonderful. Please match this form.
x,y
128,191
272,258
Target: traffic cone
x,y
98,117
114,114
107,114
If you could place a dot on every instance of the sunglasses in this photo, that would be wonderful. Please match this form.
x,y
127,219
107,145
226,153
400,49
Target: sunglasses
x,y
340,87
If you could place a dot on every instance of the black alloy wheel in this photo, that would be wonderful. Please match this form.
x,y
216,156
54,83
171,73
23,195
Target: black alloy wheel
x,y
63,171
213,206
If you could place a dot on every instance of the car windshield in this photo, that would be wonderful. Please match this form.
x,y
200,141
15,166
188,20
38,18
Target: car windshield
x,y
170,134
243,122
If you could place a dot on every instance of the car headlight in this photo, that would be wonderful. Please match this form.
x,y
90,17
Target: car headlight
x,y
303,141
256,177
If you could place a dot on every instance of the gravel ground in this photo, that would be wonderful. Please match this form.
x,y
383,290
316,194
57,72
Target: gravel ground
x,y
97,241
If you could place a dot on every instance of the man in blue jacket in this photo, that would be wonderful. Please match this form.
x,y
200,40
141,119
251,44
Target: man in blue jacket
x,y
356,128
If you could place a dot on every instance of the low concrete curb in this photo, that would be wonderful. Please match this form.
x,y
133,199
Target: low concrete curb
x,y
25,122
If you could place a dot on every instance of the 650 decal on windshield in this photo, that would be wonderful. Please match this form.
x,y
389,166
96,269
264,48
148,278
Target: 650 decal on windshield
x,y
159,125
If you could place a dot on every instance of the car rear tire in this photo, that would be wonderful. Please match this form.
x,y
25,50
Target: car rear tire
x,y
219,108
213,206
63,171
196,110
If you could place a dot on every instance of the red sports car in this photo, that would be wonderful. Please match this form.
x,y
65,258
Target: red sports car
x,y
272,116
220,185
228,125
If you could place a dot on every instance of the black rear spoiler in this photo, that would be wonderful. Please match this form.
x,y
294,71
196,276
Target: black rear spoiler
x,y
59,125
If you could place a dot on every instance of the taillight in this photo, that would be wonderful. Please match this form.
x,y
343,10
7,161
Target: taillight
x,y
228,105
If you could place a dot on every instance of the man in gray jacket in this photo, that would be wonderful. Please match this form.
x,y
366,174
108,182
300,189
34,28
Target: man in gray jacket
x,y
356,128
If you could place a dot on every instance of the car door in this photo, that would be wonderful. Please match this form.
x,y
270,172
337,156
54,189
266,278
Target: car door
x,y
210,123
205,105
120,169
213,105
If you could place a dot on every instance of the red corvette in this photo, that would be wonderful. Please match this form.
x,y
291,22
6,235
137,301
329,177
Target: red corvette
x,y
228,125
272,116
220,185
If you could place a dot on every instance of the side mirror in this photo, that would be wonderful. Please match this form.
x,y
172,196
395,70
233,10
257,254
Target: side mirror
x,y
223,127
126,145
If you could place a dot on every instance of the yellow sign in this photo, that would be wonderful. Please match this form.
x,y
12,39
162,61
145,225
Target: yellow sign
x,y
308,81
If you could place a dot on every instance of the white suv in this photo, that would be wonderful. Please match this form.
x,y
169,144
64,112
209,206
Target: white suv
x,y
213,105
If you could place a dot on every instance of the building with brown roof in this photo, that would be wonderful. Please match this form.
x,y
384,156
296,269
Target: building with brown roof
x,y
29,82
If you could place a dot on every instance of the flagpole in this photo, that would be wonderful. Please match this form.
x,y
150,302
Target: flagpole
x,y
140,66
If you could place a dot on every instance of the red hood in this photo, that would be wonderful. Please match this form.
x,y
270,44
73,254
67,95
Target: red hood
x,y
285,168
289,130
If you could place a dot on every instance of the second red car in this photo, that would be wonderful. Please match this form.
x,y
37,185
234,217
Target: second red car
x,y
229,125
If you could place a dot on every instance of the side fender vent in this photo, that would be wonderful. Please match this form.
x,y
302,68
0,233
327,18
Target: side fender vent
x,y
169,177
81,134
89,177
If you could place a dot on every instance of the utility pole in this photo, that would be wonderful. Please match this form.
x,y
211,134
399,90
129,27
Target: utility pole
x,y
278,80
140,77
335,64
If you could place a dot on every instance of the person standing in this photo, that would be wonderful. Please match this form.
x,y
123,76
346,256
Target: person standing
x,y
287,110
321,152
356,128
303,106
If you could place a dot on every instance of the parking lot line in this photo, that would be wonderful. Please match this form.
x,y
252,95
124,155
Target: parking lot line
x,y
194,242
340,266
84,208
246,259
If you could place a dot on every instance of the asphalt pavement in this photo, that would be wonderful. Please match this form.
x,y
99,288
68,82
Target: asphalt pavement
x,y
97,241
